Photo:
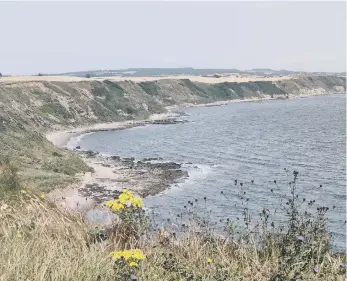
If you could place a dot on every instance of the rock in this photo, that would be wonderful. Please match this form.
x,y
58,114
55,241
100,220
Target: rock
x,y
167,121
150,159
91,153
77,147
168,166
128,159
115,157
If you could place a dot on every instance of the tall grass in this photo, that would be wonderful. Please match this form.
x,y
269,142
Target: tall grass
x,y
39,241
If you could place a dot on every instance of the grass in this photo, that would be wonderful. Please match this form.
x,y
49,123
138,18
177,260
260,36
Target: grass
x,y
38,241
57,110
40,164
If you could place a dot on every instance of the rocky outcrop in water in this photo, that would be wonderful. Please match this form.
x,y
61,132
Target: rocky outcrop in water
x,y
144,177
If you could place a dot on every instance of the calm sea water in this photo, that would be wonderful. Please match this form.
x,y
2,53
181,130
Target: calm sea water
x,y
246,141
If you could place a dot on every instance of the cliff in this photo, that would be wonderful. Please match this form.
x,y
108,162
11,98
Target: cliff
x,y
28,109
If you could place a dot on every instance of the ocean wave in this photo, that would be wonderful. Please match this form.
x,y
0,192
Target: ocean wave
x,y
75,141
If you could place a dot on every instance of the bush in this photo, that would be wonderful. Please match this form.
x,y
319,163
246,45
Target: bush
x,y
9,181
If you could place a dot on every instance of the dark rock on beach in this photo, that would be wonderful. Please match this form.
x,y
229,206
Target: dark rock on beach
x,y
165,166
115,157
166,121
152,159
144,178
98,192
91,153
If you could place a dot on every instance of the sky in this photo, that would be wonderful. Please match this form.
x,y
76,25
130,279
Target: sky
x,y
55,37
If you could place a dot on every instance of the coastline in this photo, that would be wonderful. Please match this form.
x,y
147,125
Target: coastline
x,y
61,138
110,174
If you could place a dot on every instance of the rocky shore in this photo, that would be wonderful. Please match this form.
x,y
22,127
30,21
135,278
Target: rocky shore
x,y
111,174
145,177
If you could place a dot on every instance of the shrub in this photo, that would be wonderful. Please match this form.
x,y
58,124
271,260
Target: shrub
x,y
9,181
306,240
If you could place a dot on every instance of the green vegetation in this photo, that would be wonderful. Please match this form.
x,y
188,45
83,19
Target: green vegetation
x,y
9,181
42,242
39,163
195,88
150,88
57,110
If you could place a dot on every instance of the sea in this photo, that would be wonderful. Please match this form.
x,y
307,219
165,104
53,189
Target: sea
x,y
254,144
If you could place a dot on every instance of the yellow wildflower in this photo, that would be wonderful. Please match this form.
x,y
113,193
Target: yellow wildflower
x,y
127,192
138,254
132,264
124,197
110,203
19,235
22,191
117,206
137,202
209,260
43,196
128,255
156,275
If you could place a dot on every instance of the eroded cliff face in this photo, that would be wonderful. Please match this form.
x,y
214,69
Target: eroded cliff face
x,y
48,105
28,109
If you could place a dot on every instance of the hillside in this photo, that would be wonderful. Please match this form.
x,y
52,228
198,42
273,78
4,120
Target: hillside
x,y
28,109
158,72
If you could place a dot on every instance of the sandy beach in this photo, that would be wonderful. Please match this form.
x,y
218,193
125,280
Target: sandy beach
x,y
61,138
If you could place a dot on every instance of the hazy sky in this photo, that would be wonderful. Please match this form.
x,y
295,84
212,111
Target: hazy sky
x,y
61,36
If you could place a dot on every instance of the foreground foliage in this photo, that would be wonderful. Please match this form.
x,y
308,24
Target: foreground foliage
x,y
40,242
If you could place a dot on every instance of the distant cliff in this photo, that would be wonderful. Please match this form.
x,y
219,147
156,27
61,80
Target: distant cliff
x,y
47,104
30,108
